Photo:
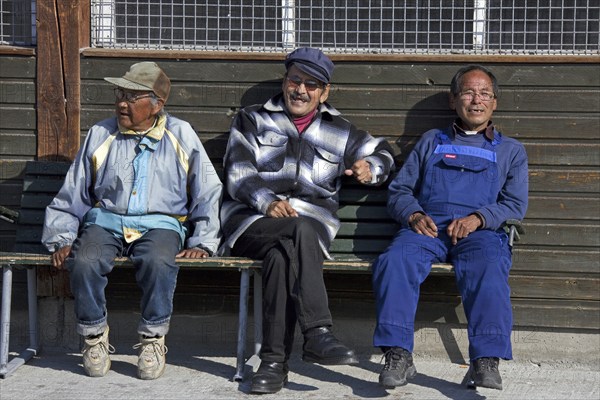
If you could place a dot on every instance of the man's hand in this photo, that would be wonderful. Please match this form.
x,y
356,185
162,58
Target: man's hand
x,y
193,253
461,227
59,257
361,170
280,209
423,224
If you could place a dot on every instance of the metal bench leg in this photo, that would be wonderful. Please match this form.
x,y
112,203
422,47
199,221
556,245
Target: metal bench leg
x,y
254,361
7,368
242,321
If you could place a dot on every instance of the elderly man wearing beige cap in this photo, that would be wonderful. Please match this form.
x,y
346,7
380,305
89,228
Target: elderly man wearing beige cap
x,y
141,186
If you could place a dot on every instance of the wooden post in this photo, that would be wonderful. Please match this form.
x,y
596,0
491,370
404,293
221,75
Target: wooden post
x,y
62,29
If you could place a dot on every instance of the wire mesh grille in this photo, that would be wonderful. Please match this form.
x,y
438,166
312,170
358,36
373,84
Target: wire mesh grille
x,y
358,26
17,22
338,26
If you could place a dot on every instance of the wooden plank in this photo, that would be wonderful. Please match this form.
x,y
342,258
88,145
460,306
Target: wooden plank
x,y
555,287
561,314
565,207
11,169
18,117
16,67
399,69
17,51
405,127
567,179
540,207
556,260
412,124
347,97
572,154
562,233
18,144
17,92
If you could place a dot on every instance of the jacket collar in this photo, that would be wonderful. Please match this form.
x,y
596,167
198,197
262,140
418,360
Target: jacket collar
x,y
489,131
156,132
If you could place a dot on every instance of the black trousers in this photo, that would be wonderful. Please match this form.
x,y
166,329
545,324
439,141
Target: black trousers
x,y
293,286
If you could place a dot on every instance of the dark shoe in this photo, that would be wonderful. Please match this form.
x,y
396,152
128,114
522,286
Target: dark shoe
x,y
398,367
270,377
484,373
321,347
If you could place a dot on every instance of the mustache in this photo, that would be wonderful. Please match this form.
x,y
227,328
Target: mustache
x,y
298,96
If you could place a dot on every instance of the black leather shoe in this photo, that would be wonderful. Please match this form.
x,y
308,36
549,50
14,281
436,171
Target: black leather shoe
x,y
321,347
270,377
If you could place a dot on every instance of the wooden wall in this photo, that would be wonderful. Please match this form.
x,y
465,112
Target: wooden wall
x,y
17,132
552,108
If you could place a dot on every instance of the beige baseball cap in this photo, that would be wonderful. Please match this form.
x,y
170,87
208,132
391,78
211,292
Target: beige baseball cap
x,y
145,75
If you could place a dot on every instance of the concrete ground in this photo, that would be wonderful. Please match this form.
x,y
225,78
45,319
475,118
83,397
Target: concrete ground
x,y
58,375
548,364
201,363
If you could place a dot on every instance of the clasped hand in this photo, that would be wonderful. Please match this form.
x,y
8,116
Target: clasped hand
x,y
458,228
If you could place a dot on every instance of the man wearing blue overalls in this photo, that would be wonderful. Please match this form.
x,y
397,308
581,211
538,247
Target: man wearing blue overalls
x,y
451,198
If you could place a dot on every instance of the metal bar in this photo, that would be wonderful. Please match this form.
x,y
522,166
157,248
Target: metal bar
x,y
7,368
5,317
479,21
242,320
33,310
288,24
258,334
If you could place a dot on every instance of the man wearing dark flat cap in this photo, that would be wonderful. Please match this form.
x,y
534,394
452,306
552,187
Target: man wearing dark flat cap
x,y
284,164
141,186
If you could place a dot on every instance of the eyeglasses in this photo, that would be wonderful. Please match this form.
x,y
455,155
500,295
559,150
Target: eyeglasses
x,y
483,96
309,84
131,97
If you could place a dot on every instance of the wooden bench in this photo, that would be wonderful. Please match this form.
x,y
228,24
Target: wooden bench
x,y
365,232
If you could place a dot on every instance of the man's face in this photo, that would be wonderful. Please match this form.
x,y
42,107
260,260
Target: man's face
x,y
136,110
476,101
301,100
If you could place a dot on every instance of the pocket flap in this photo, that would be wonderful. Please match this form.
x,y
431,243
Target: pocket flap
x,y
469,163
331,157
271,138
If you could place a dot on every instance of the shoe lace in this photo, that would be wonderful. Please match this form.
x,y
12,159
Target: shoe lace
x,y
151,349
392,359
96,349
487,364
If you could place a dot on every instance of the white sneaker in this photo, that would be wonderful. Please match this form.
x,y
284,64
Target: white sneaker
x,y
96,360
152,360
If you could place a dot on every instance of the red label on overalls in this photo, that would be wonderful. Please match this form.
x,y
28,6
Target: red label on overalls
x,y
450,155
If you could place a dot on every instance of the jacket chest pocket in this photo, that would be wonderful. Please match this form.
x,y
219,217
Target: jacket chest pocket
x,y
467,170
326,168
271,151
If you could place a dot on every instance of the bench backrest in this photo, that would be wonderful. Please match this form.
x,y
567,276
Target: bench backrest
x,y
41,182
366,229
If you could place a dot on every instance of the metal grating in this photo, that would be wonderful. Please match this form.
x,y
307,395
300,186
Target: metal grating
x,y
17,22
353,26
350,26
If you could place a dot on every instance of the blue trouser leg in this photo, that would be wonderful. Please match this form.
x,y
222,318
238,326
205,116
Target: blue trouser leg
x,y
482,263
397,277
153,256
89,263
